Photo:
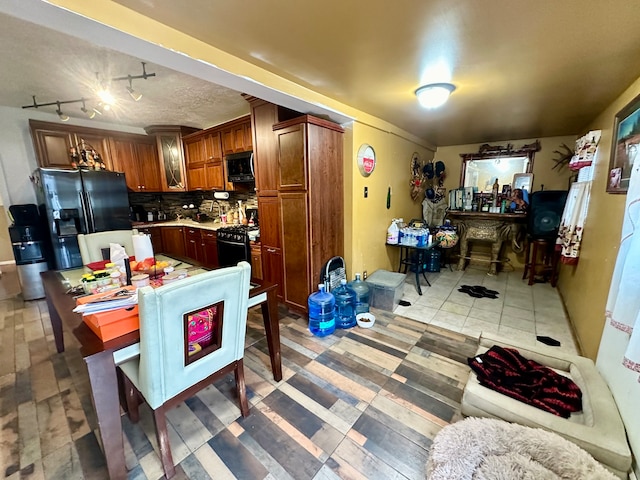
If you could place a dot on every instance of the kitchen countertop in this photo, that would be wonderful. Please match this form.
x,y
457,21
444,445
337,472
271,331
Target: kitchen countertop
x,y
211,225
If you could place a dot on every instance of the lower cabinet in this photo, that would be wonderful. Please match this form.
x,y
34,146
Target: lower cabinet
x,y
256,261
272,270
173,241
210,248
193,243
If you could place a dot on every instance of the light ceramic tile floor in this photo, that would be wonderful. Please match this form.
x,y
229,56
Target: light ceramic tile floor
x,y
521,312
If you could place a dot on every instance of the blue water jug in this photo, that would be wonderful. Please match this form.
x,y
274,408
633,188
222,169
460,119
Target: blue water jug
x,y
362,294
322,312
345,305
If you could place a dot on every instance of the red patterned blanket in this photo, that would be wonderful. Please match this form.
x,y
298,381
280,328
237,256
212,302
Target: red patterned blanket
x,y
506,371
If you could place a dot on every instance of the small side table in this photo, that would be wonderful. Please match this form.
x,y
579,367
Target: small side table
x,y
541,258
414,258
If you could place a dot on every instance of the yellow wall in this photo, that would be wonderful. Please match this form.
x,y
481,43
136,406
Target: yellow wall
x,y
585,287
543,171
370,217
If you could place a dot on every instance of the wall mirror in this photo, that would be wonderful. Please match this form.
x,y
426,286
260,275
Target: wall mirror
x,y
480,170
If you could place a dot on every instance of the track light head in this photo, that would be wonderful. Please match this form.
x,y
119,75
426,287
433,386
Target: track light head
x,y
134,95
88,113
62,116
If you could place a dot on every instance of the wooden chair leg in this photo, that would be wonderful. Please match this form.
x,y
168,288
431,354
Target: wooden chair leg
x,y
527,265
162,436
533,262
242,388
131,397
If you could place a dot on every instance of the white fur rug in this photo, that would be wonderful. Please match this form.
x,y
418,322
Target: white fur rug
x,y
488,449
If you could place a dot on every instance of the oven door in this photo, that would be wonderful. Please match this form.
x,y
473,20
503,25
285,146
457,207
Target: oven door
x,y
231,252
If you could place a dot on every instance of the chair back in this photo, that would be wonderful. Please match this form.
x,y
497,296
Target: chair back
x,y
207,312
91,244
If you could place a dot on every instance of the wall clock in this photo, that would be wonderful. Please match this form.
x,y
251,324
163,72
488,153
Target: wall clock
x,y
366,160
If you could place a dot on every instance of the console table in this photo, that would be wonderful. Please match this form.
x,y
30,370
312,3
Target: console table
x,y
494,228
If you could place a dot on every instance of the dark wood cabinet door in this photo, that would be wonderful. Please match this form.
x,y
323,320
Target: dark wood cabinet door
x,y
265,154
194,150
291,158
124,159
248,136
228,141
269,208
195,176
193,243
272,269
213,146
210,248
256,262
148,167
52,147
97,142
295,248
214,176
173,241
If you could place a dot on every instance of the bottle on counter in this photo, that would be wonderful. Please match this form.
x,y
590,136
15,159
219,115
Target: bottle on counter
x,y
322,312
496,187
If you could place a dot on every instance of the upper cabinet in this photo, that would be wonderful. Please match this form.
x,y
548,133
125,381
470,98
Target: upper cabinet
x,y
137,157
264,116
236,136
171,158
205,151
203,154
53,143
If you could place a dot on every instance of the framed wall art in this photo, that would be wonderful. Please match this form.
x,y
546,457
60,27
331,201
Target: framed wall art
x,y
625,148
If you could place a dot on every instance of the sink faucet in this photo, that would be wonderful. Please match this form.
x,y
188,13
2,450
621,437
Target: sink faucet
x,y
178,216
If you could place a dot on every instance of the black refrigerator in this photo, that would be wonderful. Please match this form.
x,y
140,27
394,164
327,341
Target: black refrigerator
x,y
80,201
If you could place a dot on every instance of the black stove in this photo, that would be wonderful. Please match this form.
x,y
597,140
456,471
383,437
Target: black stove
x,y
236,233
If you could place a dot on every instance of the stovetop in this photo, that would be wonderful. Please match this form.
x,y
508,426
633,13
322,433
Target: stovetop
x,y
236,233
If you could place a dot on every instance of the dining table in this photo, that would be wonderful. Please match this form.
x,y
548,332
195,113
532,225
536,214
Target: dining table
x,y
102,357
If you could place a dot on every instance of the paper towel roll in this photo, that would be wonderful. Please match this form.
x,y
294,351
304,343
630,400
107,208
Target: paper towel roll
x,y
142,246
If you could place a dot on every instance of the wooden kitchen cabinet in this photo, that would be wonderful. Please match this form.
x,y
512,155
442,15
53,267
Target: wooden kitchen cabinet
x,y
173,241
137,157
270,238
256,261
193,243
264,116
171,157
236,136
310,195
205,170
52,143
210,248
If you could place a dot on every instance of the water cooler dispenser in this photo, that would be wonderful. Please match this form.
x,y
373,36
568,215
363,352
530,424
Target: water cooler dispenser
x,y
28,239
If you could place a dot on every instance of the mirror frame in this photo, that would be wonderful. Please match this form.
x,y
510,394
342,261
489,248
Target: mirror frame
x,y
487,152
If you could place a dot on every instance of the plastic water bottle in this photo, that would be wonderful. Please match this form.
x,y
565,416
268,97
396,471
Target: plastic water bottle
x,y
345,305
362,294
322,312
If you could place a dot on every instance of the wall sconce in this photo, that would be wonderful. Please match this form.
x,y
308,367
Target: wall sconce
x,y
434,95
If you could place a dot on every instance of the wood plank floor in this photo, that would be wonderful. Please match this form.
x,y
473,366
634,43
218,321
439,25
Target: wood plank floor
x,y
360,404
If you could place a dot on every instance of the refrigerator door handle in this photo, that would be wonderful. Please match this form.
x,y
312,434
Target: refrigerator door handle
x,y
90,219
85,214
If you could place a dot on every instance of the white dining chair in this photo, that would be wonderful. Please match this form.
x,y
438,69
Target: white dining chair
x,y
91,244
191,332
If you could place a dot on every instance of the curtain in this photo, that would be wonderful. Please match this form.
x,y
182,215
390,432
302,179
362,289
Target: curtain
x,y
572,223
623,303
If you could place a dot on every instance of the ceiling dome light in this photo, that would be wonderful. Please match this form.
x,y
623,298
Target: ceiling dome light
x,y
434,95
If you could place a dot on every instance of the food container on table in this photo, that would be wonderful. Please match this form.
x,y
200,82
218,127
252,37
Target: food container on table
x,y
140,280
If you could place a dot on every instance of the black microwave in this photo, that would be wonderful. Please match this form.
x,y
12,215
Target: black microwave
x,y
240,167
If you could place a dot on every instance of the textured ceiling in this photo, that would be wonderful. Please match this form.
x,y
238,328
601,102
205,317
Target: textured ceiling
x,y
522,69
54,66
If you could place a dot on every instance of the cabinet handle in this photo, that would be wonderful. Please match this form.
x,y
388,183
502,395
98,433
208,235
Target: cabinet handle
x,y
271,250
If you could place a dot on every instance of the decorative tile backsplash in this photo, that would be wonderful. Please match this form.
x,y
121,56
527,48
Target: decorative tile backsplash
x,y
171,204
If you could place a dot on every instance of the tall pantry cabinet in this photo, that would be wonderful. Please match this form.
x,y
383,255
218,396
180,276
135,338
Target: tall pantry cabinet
x,y
299,184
